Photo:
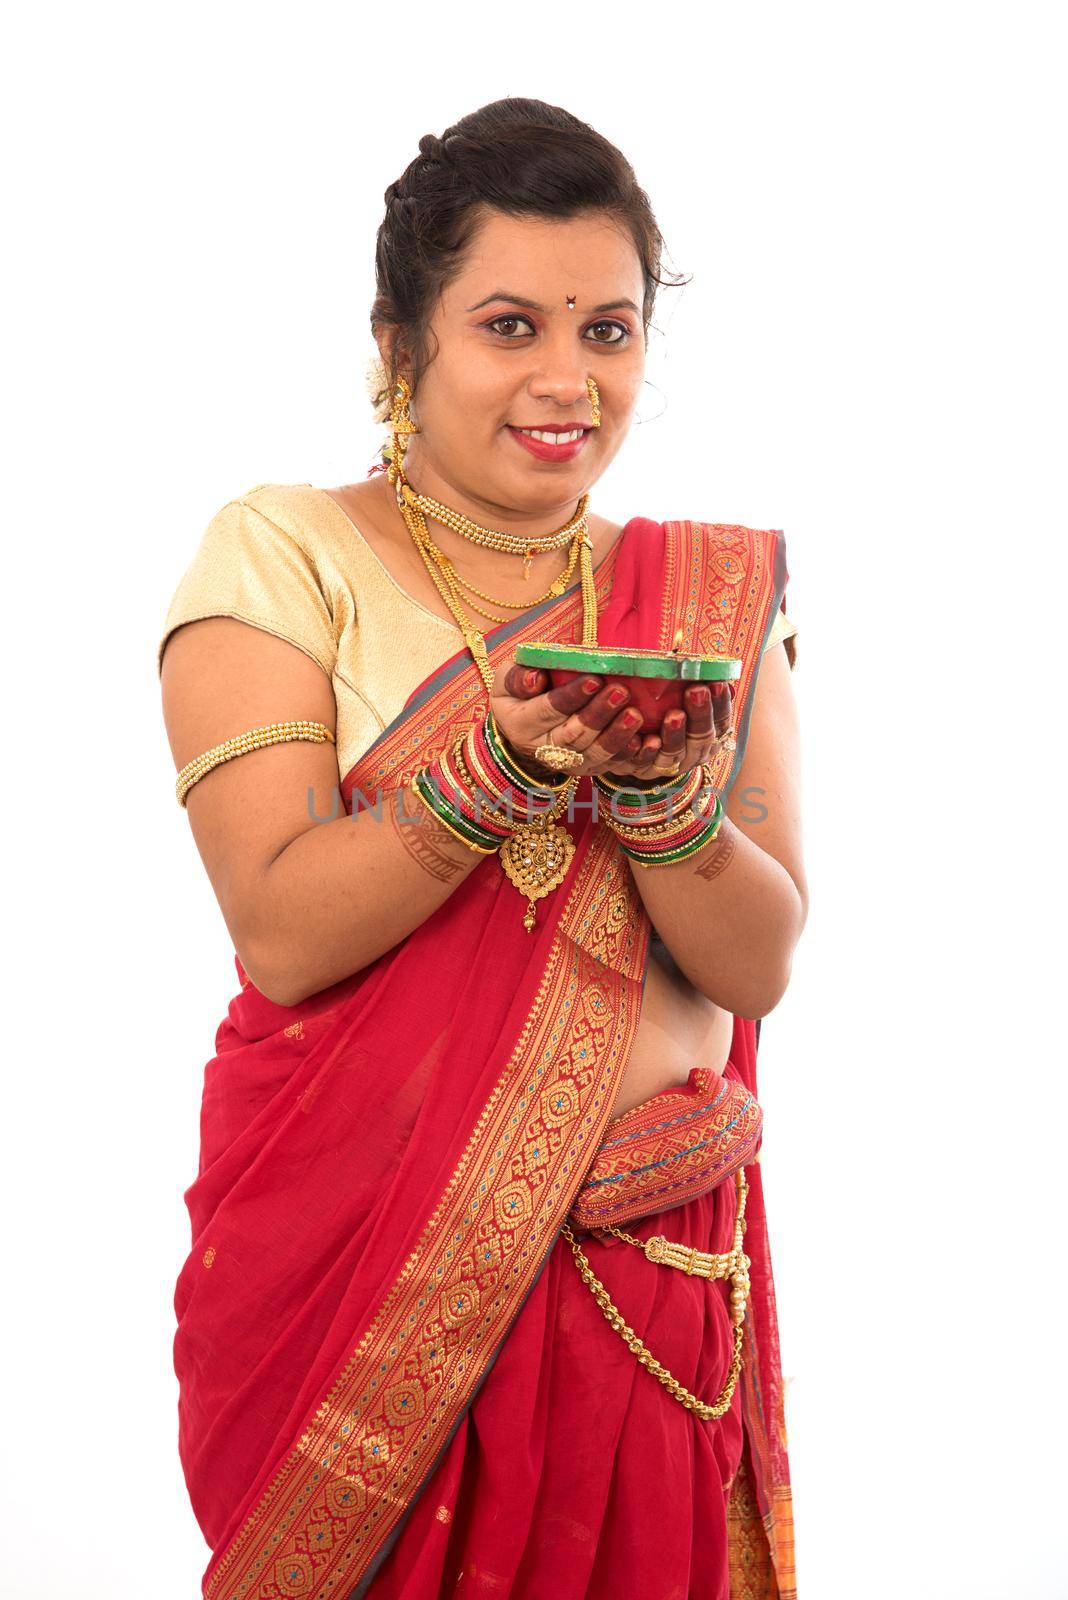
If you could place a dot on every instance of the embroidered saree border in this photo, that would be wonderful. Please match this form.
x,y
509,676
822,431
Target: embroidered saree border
x,y
661,1161
720,580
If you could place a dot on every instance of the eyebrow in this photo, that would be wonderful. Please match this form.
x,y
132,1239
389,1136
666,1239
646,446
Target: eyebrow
x,y
521,300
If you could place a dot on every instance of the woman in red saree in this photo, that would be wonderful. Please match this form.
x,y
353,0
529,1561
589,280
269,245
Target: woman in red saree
x,y
394,1381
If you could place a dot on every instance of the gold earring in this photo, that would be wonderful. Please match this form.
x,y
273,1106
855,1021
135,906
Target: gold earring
x,y
400,427
595,401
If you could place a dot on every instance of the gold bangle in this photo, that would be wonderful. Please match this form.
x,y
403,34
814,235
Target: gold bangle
x,y
241,743
546,785
475,788
679,823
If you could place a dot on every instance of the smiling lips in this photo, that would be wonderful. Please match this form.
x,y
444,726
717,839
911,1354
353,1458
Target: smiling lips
x,y
551,444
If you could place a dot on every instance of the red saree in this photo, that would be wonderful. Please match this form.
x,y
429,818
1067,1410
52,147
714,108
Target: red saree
x,y
393,1381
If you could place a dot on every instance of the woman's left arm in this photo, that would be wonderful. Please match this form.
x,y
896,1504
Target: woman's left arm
x,y
732,914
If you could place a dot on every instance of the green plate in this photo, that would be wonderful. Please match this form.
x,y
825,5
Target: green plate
x,y
629,663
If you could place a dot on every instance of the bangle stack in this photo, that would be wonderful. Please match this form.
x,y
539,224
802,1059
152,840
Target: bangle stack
x,y
476,785
661,825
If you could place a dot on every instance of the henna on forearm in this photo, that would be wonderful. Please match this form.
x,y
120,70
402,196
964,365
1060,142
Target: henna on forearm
x,y
717,855
425,838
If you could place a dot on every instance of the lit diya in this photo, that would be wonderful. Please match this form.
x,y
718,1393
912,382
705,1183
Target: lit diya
x,y
656,679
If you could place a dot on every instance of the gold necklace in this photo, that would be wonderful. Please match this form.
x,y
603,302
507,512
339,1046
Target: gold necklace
x,y
537,853
555,589
512,543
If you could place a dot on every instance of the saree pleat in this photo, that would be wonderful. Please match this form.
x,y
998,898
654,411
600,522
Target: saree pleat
x,y
392,1378
573,1473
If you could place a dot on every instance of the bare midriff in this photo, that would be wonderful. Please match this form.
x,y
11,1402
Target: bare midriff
x,y
679,1029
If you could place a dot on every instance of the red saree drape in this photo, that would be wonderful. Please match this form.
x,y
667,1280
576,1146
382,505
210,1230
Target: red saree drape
x,y
393,1381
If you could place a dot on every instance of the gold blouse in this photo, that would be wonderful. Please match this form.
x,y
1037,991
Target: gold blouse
x,y
286,558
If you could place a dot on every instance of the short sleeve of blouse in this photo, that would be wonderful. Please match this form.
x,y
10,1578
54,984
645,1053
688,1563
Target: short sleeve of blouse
x,y
783,628
249,567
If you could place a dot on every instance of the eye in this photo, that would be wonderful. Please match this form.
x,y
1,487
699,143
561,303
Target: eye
x,y
511,317
624,333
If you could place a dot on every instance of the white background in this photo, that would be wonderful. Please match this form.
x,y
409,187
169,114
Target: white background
x,y
870,356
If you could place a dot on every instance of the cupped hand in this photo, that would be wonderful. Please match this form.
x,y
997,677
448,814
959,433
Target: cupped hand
x,y
595,718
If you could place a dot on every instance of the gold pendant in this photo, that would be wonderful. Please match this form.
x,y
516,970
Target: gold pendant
x,y
535,859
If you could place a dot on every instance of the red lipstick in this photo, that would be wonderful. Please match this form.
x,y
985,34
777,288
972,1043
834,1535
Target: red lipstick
x,y
551,452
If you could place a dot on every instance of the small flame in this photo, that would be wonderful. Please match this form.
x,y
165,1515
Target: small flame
x,y
677,646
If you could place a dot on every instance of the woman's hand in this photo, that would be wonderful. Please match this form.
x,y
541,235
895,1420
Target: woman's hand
x,y
586,715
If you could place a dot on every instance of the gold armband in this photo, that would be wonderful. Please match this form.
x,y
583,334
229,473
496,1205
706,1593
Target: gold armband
x,y
274,733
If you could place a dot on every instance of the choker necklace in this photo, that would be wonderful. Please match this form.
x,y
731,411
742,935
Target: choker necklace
x,y
513,543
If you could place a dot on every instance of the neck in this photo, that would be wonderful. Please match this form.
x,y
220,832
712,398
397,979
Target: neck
x,y
426,478
479,563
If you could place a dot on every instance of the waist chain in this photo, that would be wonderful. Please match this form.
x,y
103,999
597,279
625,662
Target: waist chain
x,y
733,1264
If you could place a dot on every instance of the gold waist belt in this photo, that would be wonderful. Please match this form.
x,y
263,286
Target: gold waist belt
x,y
733,1264
682,1143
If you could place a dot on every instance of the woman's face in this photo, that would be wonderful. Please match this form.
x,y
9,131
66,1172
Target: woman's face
x,y
510,354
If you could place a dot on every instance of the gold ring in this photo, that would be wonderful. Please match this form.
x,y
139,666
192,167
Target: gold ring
x,y
557,756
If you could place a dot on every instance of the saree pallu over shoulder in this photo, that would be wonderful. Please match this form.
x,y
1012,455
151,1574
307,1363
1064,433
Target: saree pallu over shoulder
x,y
386,1167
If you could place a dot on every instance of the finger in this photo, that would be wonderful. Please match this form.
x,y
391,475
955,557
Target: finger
x,y
532,683
699,723
645,760
673,734
676,753
619,737
585,725
722,708
522,683
562,702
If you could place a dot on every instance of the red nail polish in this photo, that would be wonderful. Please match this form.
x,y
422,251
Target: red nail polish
x,y
590,685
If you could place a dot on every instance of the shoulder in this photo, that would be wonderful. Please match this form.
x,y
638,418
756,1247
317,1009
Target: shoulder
x,y
266,557
304,514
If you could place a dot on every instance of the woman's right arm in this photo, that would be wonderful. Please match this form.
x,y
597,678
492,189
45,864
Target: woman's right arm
x,y
306,903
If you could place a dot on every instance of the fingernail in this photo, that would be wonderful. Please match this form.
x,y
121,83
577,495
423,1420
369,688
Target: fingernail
x,y
631,719
531,679
617,696
590,684
719,689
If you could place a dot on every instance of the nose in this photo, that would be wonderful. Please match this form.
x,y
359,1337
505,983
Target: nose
x,y
561,371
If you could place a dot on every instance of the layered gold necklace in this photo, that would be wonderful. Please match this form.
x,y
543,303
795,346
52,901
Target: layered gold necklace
x,y
536,855
415,508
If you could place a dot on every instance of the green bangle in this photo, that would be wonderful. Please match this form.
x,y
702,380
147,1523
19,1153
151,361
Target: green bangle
x,y
525,780
654,791
447,814
690,848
